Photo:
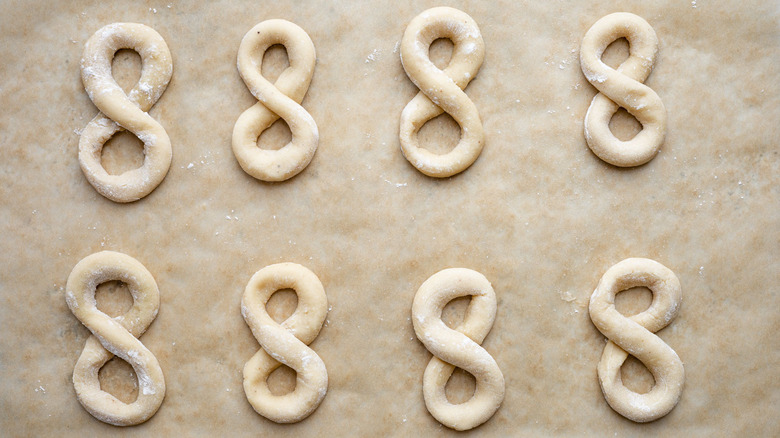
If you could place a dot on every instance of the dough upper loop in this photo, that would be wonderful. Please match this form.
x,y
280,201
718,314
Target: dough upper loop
x,y
115,336
459,347
622,88
280,99
285,343
442,90
634,335
120,111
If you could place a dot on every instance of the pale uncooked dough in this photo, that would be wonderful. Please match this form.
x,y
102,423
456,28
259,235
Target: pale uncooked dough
x,y
635,335
285,343
442,90
119,111
459,347
622,88
115,336
280,99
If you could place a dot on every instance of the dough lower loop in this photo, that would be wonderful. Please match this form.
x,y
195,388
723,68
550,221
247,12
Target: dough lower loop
x,y
115,336
120,111
285,343
280,99
442,90
634,335
622,88
459,347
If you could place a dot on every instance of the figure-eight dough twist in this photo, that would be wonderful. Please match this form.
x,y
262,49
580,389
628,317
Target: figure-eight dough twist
x,y
635,336
120,111
115,336
622,88
285,343
442,90
280,99
459,347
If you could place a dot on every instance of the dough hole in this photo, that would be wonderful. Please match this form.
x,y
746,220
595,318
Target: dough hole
x,y
636,376
113,298
440,52
118,379
632,301
455,311
623,125
439,135
616,53
275,61
460,387
275,137
122,152
281,305
282,380
126,68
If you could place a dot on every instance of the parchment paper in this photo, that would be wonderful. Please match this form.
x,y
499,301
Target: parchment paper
x,y
538,214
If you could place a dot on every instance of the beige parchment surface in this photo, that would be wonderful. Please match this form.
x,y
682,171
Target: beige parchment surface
x,y
538,214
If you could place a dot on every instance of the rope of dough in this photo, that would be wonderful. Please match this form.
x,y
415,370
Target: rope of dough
x,y
280,99
635,336
442,90
622,88
120,111
285,343
115,336
459,347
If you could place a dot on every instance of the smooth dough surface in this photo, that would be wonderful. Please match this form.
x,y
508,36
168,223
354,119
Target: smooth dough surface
x,y
286,342
635,335
279,99
622,87
458,346
538,214
441,90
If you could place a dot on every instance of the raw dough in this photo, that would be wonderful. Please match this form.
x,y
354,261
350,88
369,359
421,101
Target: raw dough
x,y
115,336
459,347
634,335
120,111
622,88
442,90
285,343
280,99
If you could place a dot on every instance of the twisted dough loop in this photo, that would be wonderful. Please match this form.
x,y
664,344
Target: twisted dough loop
x,y
442,90
622,88
285,343
120,111
115,336
459,347
634,335
280,99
